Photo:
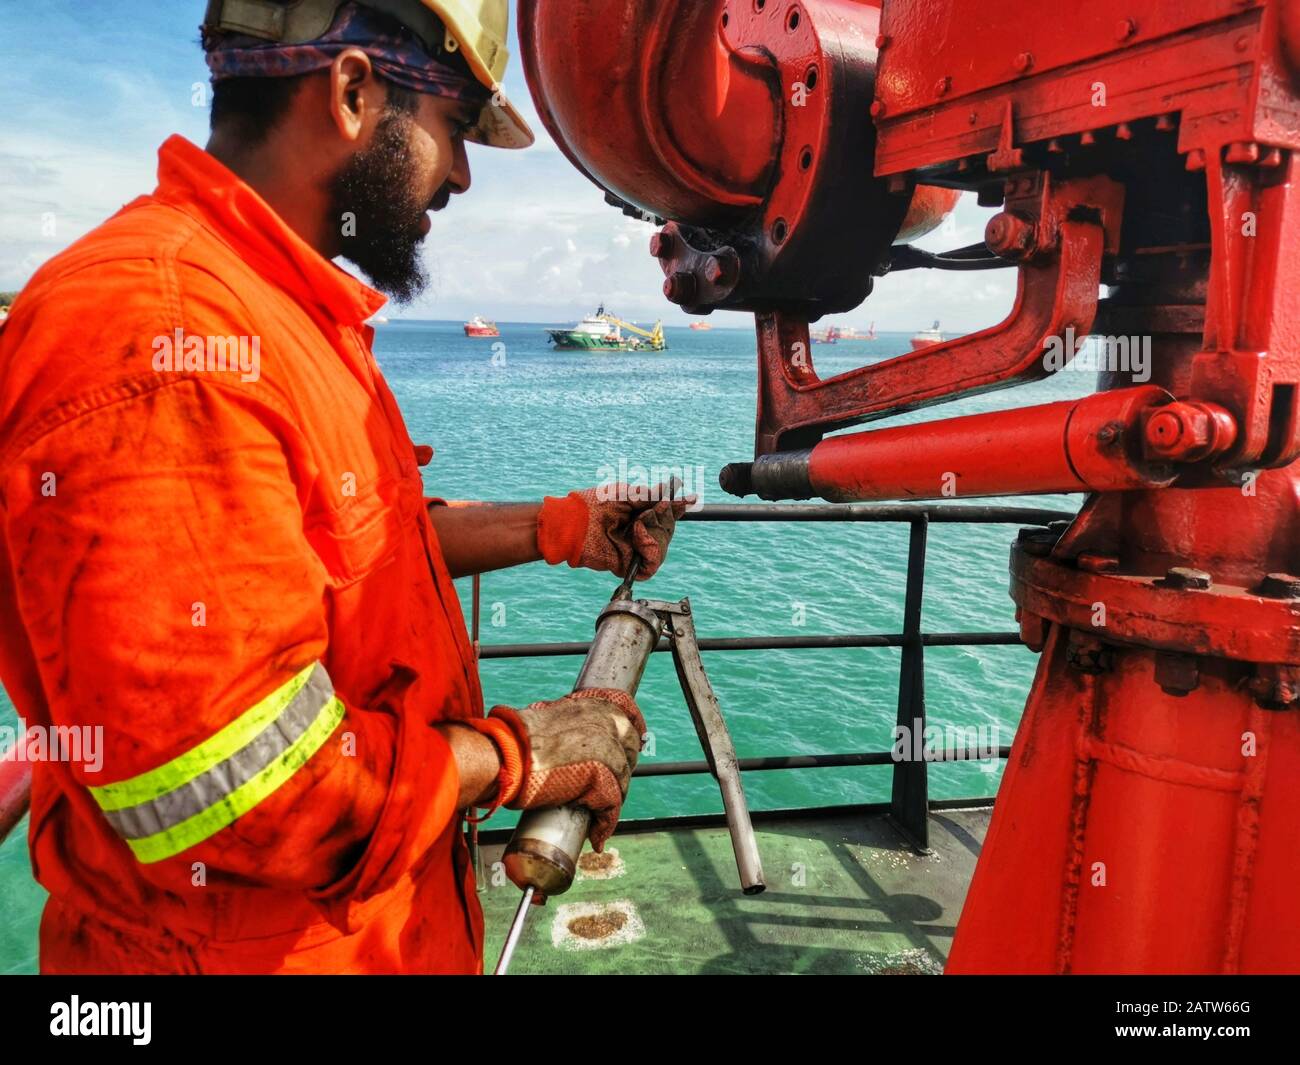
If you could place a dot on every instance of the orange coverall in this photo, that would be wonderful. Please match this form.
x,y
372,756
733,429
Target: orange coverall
x,y
232,573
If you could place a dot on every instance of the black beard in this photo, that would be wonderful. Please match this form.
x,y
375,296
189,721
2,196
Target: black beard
x,y
377,190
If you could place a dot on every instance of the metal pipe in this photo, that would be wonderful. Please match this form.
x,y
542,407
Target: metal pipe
x,y
937,513
945,513
516,930
768,643
812,761
910,796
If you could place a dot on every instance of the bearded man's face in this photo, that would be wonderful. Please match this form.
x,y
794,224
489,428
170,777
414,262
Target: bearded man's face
x,y
384,195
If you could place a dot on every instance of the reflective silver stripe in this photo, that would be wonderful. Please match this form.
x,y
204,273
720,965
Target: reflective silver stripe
x,y
210,788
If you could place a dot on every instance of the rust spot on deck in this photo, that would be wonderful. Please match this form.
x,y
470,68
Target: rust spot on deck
x,y
591,862
598,926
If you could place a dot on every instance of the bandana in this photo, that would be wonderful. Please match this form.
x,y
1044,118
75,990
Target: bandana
x,y
394,51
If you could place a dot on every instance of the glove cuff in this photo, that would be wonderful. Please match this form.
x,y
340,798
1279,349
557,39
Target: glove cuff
x,y
513,752
562,528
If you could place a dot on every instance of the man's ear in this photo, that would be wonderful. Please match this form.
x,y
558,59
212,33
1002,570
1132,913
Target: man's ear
x,y
355,95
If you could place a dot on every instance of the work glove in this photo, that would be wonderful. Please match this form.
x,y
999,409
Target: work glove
x,y
580,749
607,528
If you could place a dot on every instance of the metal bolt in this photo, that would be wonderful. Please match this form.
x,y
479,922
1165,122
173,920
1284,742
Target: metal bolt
x,y
1033,630
1087,654
1242,152
1280,586
1009,236
1107,434
1024,61
1184,577
1124,29
1177,674
1037,542
1275,686
1188,432
681,287
714,271
1175,430
661,245
882,41
942,86
877,108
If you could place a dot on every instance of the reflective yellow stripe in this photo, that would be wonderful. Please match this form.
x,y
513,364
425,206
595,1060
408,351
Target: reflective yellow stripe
x,y
198,760
226,811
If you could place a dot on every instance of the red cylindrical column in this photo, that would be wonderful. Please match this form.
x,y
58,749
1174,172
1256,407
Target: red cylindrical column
x,y
1092,444
15,791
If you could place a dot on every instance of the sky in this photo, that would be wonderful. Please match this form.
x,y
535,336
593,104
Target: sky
x,y
90,88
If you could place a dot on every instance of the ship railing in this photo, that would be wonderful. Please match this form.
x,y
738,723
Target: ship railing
x,y
910,804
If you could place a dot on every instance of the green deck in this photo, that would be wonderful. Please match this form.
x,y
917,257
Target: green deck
x,y
845,894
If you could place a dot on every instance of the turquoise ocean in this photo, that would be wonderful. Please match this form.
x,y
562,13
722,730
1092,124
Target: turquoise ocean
x,y
513,420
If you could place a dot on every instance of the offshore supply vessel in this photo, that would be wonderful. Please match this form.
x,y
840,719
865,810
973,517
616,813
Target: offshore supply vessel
x,y
923,338
1148,818
606,332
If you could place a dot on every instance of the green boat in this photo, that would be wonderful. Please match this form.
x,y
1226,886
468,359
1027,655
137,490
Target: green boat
x,y
605,332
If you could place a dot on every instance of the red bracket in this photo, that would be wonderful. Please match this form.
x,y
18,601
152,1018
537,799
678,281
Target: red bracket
x,y
1061,230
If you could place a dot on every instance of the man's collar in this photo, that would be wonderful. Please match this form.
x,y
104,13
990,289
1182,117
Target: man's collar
x,y
193,180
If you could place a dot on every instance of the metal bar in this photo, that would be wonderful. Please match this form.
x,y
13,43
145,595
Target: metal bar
x,y
909,804
767,643
809,761
720,752
475,851
948,513
678,822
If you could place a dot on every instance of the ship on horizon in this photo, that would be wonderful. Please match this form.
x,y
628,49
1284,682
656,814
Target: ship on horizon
x,y
478,326
848,332
603,331
927,337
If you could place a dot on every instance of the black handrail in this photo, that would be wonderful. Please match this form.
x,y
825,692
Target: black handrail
x,y
910,802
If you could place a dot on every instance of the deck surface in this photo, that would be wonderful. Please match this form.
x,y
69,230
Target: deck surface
x,y
845,895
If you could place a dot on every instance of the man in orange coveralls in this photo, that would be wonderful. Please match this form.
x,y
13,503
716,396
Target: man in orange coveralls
x,y
217,549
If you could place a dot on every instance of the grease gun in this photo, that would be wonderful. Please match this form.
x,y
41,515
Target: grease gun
x,y
542,856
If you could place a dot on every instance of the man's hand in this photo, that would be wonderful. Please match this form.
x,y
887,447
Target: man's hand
x,y
607,528
579,749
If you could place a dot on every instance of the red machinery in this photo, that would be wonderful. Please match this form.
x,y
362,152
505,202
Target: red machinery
x,y
1149,818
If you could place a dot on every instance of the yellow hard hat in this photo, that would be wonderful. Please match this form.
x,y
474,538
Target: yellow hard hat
x,y
477,29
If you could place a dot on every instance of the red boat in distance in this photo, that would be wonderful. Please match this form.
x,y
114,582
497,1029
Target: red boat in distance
x,y
829,335
926,337
478,326
701,327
